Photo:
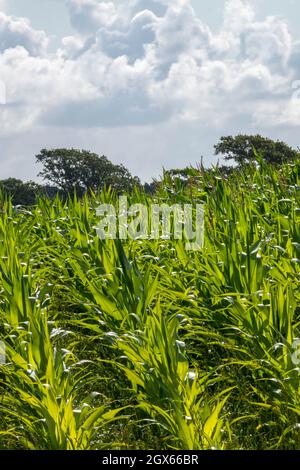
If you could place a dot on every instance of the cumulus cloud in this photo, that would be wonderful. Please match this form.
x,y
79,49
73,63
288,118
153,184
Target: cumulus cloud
x,y
17,31
89,15
139,62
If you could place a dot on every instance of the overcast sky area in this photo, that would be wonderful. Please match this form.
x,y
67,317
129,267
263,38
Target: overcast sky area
x,y
148,83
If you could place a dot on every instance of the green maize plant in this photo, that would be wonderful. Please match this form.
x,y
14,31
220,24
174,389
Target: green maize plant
x,y
167,389
143,344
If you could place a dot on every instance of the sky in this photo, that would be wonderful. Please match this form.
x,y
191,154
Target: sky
x,y
151,84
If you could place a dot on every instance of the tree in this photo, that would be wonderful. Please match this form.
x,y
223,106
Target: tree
x,y
151,188
23,194
242,149
80,170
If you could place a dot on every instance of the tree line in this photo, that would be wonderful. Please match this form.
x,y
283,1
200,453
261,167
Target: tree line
x,y
66,171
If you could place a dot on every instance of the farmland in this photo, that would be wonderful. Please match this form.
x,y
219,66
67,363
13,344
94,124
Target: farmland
x,y
141,344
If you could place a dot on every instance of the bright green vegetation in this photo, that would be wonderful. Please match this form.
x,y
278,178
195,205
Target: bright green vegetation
x,y
143,345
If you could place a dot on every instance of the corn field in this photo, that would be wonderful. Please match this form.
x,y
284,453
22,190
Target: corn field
x,y
141,344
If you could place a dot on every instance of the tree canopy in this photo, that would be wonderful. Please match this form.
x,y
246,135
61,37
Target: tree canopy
x,y
242,149
20,192
80,170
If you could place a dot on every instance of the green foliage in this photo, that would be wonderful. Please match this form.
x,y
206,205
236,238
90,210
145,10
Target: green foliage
x,y
21,193
242,149
140,344
80,170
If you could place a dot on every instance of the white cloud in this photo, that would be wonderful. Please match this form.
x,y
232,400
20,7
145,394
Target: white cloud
x,y
17,31
237,15
141,62
89,15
